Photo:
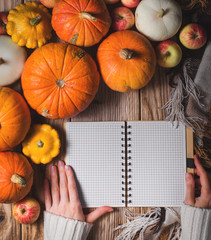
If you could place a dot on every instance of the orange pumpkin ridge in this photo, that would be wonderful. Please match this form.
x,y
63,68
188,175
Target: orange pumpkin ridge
x,y
14,114
60,80
127,61
16,177
82,22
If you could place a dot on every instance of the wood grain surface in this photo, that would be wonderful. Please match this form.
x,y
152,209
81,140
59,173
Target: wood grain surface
x,y
107,106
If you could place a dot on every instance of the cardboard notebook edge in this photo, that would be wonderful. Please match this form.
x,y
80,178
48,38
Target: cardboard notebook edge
x,y
189,150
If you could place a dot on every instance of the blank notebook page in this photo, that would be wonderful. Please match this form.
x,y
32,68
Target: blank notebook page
x,y
158,164
94,153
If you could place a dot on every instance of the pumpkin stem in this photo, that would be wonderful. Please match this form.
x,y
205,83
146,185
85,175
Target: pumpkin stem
x,y
35,21
126,54
87,15
1,61
60,83
161,13
40,144
18,179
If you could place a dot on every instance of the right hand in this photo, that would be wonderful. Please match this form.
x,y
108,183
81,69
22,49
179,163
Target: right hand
x,y
203,184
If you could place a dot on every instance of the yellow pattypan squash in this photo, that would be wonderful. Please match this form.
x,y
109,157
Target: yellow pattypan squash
x,y
41,144
29,24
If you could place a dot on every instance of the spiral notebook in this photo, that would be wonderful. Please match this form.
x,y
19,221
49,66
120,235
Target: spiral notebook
x,y
133,163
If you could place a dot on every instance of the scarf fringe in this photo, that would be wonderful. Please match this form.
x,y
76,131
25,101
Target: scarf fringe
x,y
137,225
175,232
190,87
174,107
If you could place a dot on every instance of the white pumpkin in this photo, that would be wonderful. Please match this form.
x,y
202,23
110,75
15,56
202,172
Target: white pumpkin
x,y
158,19
12,59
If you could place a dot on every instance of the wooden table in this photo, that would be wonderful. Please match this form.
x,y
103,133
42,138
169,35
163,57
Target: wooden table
x,y
107,106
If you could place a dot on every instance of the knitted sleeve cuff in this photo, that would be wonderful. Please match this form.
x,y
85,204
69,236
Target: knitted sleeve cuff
x,y
195,223
61,228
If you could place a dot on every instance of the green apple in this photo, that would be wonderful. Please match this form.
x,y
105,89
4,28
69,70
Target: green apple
x,y
169,54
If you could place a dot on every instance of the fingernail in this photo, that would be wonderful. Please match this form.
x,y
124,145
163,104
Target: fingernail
x,y
61,163
67,167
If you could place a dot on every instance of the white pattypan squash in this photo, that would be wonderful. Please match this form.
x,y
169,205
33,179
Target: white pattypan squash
x,y
12,59
158,19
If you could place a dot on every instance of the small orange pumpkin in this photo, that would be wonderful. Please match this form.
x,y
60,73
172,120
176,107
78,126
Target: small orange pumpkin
x,y
81,22
16,177
15,118
127,61
60,80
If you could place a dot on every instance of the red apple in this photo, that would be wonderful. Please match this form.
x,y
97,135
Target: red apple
x,y
49,3
111,1
122,18
26,211
130,3
3,23
193,36
169,54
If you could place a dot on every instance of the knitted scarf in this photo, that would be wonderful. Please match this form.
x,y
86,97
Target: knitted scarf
x,y
150,225
189,103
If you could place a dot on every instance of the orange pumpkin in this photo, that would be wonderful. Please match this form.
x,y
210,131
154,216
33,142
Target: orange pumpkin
x,y
127,61
15,118
81,22
16,177
60,80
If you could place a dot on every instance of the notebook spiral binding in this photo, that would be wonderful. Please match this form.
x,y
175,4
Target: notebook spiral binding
x,y
126,165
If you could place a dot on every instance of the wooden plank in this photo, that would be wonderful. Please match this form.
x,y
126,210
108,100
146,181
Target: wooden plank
x,y
153,97
9,227
34,231
6,5
110,106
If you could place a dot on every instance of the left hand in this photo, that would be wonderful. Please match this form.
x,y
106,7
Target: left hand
x,y
202,184
63,198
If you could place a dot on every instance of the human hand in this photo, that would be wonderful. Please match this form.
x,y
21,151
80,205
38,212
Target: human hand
x,y
202,184
63,199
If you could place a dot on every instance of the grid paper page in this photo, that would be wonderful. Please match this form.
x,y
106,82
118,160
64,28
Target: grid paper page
x,y
94,152
158,164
